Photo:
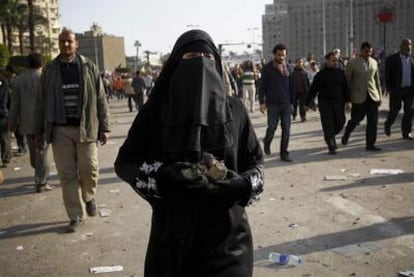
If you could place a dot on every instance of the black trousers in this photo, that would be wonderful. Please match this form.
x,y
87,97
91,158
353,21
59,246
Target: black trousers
x,y
332,120
358,112
300,100
402,95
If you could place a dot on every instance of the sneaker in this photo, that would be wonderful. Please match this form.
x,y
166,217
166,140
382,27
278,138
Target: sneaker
x,y
43,187
332,151
91,207
74,225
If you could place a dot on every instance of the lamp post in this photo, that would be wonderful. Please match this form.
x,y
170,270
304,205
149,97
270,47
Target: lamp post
x,y
323,27
137,44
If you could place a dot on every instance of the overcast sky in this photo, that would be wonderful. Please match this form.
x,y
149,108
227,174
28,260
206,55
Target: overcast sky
x,y
158,23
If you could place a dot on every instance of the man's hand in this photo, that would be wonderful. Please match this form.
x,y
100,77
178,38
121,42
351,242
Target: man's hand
x,y
103,137
348,106
262,108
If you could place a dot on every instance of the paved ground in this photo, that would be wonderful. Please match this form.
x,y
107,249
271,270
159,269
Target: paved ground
x,y
361,226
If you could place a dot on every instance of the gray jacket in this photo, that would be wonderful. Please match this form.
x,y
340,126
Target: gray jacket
x,y
94,108
25,87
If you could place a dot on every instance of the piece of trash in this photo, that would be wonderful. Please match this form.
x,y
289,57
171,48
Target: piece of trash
x,y
3,232
105,212
53,173
114,191
106,269
335,178
385,171
293,225
283,259
89,234
101,205
272,199
407,273
342,170
19,248
17,168
356,174
111,142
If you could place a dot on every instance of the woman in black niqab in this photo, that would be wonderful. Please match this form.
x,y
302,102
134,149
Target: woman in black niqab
x,y
194,231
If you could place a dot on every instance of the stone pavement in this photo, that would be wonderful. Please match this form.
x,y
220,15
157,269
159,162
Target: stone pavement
x,y
360,226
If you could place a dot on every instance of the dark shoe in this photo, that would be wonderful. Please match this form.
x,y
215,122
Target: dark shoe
x,y
373,148
74,225
266,148
387,129
408,136
285,158
293,118
43,188
332,151
303,119
91,207
345,139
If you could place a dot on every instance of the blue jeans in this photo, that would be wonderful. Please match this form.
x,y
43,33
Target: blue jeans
x,y
274,114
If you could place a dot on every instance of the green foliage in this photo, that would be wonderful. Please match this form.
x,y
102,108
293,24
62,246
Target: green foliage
x,y
4,55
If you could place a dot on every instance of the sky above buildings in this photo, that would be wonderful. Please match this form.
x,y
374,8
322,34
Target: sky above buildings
x,y
156,24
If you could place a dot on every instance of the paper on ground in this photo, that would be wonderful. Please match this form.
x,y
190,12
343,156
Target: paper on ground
x,y
105,212
335,177
106,269
385,171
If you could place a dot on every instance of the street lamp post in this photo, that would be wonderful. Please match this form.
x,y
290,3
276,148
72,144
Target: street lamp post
x,y
137,44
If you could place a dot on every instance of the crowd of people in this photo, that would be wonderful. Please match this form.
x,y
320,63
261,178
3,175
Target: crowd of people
x,y
191,151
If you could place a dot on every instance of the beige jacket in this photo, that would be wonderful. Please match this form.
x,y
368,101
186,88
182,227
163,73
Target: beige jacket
x,y
362,82
25,88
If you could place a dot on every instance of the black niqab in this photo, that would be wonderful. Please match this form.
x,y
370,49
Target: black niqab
x,y
195,110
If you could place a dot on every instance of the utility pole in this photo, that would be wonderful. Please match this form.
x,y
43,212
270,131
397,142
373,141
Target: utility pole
x,y
323,27
137,44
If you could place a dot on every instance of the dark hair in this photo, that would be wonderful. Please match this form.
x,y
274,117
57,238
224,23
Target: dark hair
x,y
327,56
279,47
34,60
137,72
366,44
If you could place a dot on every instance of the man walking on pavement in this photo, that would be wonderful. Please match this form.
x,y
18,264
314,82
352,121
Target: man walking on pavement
x,y
25,88
72,114
277,99
399,79
138,83
299,86
331,86
364,83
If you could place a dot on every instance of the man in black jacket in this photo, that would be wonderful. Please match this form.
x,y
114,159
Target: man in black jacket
x,y
276,97
299,86
333,97
399,79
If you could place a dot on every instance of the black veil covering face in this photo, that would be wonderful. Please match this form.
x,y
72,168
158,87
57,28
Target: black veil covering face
x,y
195,111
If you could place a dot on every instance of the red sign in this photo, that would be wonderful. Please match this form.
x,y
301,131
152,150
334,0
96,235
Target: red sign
x,y
386,14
